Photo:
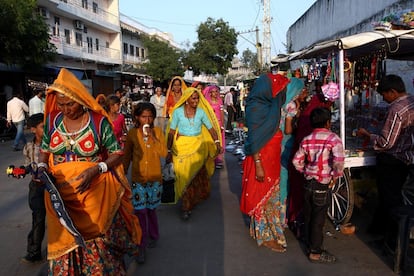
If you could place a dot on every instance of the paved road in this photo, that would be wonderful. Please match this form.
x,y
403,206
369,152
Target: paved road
x,y
215,241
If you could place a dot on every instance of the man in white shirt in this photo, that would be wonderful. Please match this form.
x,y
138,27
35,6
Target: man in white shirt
x,y
37,104
231,110
16,114
158,100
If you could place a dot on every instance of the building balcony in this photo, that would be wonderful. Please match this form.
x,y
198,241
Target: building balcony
x,y
102,55
90,15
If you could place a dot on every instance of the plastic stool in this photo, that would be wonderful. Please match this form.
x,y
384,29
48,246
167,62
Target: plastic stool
x,y
404,217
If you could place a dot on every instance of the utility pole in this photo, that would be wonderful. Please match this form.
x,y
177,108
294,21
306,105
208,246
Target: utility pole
x,y
267,20
258,45
259,49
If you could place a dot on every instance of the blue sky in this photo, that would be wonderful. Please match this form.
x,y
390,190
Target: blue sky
x,y
181,18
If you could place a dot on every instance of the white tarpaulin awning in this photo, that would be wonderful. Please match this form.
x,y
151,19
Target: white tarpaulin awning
x,y
398,44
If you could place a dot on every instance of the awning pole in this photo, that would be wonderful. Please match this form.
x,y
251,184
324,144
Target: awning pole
x,y
342,97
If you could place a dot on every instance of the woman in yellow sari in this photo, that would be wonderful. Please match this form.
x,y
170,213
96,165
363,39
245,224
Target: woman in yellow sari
x,y
193,143
79,149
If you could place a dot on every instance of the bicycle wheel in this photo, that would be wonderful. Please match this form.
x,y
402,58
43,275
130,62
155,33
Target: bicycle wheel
x,y
342,202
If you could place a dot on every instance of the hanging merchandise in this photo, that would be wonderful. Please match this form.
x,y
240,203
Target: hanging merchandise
x,y
331,89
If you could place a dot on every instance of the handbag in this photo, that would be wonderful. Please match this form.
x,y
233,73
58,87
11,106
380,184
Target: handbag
x,y
168,180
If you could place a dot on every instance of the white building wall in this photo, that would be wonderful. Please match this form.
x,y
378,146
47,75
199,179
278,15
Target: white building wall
x,y
328,19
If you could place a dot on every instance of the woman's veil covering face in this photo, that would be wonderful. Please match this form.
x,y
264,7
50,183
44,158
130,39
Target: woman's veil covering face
x,y
263,110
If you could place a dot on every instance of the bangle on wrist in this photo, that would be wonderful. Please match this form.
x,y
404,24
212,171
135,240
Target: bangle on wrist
x,y
42,165
216,141
103,167
257,161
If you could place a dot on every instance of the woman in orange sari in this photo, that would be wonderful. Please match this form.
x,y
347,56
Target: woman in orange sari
x,y
175,91
79,149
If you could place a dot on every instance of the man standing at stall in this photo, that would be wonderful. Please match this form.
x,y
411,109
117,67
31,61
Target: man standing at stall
x,y
395,147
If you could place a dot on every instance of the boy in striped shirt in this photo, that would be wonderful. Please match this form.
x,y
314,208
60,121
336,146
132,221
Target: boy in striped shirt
x,y
320,158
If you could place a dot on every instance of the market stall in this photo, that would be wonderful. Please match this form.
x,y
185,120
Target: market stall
x,y
352,66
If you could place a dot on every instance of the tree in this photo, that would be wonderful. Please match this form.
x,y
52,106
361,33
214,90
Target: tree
x,y
250,60
164,61
24,37
215,48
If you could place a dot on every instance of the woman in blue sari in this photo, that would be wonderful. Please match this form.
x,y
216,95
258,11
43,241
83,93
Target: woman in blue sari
x,y
295,94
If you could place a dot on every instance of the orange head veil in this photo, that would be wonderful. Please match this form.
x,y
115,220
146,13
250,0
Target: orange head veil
x,y
183,88
69,85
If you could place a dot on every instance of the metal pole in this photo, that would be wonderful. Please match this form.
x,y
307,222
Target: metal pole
x,y
342,96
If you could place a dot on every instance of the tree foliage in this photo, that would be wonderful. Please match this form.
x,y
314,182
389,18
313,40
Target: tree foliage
x,y
24,37
164,61
215,48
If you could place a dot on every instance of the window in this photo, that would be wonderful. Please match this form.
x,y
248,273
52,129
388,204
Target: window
x,y
90,44
125,48
95,7
67,36
78,39
55,28
107,44
137,51
97,44
64,1
85,4
131,50
142,52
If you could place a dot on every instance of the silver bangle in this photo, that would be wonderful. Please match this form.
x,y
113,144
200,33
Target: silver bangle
x,y
42,165
217,141
257,161
103,167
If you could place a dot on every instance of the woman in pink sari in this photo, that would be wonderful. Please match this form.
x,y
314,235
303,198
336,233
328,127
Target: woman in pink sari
x,y
212,95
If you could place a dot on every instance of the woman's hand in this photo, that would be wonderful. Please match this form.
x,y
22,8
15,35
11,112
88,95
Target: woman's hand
x,y
260,174
86,176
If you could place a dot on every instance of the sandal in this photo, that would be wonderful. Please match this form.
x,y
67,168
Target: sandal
x,y
186,215
274,246
325,257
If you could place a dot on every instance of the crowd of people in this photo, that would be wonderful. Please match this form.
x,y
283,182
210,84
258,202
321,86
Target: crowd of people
x,y
292,160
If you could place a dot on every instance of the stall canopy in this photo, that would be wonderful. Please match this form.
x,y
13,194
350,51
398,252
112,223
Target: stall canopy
x,y
398,44
395,44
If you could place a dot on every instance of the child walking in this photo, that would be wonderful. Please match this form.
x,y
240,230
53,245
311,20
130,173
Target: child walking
x,y
36,192
144,147
320,158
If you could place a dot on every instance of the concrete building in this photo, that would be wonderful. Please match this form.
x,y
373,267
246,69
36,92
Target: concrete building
x,y
98,44
329,19
87,35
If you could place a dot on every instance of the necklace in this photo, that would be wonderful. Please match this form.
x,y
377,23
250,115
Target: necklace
x,y
190,120
71,136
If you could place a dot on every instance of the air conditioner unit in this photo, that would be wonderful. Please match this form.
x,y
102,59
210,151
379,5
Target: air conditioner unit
x,y
78,25
44,12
